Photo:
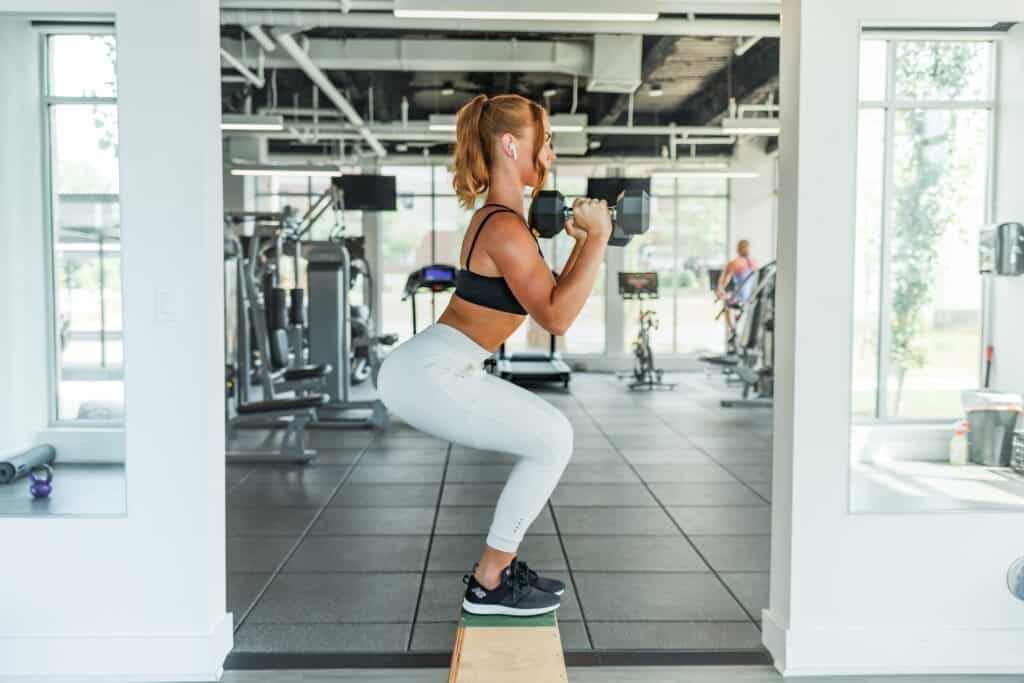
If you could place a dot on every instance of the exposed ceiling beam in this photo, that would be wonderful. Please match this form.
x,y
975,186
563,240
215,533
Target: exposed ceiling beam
x,y
753,70
324,83
237,65
654,58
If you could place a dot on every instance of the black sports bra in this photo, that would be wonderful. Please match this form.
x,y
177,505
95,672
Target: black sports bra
x,y
485,290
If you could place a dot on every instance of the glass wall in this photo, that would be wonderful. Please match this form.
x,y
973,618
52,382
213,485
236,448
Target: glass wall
x,y
81,119
688,236
925,126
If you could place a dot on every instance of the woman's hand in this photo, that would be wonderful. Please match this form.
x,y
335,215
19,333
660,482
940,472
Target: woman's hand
x,y
576,233
592,216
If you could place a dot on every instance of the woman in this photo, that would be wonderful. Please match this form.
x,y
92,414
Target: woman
x,y
740,272
436,381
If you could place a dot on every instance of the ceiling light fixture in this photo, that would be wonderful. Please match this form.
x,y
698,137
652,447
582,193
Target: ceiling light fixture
x,y
738,126
448,88
284,170
706,173
443,123
243,122
568,123
530,10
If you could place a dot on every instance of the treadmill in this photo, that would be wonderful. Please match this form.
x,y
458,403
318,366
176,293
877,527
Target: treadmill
x,y
533,367
435,278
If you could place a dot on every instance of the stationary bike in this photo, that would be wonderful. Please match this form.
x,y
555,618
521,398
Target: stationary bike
x,y
645,375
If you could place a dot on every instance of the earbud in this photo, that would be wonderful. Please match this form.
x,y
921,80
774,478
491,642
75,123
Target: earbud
x,y
515,153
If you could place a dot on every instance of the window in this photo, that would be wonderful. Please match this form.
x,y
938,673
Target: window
x,y
687,237
587,332
923,157
85,226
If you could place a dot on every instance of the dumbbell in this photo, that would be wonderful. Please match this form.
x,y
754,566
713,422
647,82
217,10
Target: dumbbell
x,y
631,215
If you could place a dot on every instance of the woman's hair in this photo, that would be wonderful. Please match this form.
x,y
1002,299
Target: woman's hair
x,y
477,124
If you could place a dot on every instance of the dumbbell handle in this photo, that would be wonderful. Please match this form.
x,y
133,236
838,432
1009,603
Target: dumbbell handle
x,y
613,211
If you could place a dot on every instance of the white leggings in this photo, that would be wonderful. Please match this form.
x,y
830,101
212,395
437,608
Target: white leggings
x,y
436,383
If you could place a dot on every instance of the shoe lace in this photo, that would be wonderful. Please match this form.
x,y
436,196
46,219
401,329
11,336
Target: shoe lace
x,y
523,574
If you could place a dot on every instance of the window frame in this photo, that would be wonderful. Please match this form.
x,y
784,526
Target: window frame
x,y
889,106
48,103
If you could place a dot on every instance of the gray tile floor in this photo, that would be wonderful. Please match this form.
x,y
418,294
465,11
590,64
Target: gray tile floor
x,y
659,527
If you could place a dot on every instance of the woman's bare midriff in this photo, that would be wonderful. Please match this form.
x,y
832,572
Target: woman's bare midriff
x,y
486,326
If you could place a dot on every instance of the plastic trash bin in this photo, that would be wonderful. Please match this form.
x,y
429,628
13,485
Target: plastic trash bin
x,y
992,417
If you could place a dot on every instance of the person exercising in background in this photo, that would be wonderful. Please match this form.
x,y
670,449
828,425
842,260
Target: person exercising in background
x,y
740,272
436,382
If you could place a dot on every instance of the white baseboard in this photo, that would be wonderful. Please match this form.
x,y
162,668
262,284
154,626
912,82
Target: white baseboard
x,y
891,650
117,659
773,636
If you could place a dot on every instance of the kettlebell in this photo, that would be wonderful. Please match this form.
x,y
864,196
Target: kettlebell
x,y
41,477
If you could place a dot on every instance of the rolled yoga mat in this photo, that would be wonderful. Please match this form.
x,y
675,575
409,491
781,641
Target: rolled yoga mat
x,y
18,465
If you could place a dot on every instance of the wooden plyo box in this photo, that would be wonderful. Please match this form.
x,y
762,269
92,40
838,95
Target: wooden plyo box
x,y
497,649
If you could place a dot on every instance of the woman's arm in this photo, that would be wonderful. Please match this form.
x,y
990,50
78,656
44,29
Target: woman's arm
x,y
571,261
553,305
723,280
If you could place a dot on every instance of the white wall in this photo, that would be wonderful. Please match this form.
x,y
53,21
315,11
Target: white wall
x,y
23,311
752,202
140,597
864,594
1007,327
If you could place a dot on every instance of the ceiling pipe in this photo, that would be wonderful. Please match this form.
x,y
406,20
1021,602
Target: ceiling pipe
x,y
768,27
407,126
241,68
337,99
261,37
745,45
420,131
657,162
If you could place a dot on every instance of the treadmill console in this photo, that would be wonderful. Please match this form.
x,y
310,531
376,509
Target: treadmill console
x,y
435,278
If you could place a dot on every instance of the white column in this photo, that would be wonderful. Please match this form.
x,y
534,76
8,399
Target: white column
x,y
140,597
870,593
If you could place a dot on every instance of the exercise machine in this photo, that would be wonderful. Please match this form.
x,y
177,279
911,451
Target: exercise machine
x,y
436,278
755,344
251,325
330,276
532,367
643,287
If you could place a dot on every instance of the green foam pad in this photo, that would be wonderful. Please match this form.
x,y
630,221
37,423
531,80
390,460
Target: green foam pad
x,y
491,620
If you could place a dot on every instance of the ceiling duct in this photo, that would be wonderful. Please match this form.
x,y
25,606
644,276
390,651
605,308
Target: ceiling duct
x,y
535,56
616,66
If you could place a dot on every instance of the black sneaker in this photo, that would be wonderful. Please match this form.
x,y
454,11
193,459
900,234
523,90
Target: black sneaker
x,y
529,577
511,597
